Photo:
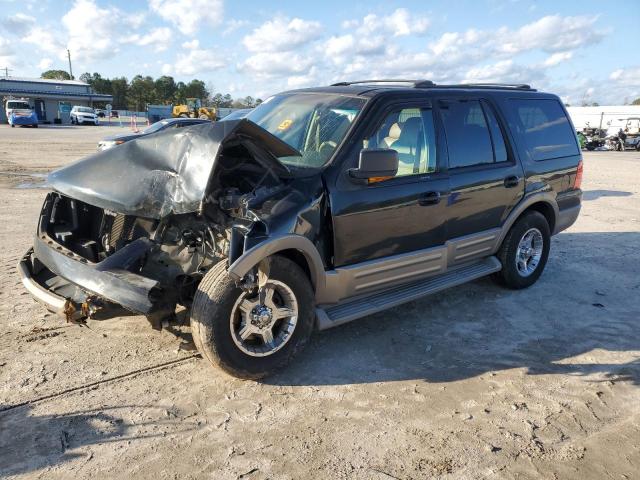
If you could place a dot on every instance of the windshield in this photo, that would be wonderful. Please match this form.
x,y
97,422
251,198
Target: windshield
x,y
312,123
156,126
18,105
84,110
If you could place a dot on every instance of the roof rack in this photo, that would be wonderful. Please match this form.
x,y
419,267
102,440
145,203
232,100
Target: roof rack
x,y
414,83
430,84
513,86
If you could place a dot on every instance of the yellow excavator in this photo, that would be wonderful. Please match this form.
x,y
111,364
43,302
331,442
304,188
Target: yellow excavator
x,y
194,109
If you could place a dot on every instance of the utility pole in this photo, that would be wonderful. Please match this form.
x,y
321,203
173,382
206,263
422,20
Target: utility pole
x,y
6,71
69,57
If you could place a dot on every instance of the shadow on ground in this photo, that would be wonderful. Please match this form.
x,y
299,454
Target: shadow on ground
x,y
29,441
596,194
584,301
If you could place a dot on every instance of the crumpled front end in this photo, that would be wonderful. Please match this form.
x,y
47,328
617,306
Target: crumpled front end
x,y
85,258
141,231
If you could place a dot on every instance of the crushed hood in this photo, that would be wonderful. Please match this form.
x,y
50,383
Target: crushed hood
x,y
163,173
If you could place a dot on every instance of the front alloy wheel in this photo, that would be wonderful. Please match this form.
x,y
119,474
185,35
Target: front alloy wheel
x,y
252,332
261,327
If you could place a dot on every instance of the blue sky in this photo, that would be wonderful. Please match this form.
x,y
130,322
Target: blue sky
x,y
584,51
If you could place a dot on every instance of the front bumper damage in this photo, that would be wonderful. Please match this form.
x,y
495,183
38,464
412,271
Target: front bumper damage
x,y
71,286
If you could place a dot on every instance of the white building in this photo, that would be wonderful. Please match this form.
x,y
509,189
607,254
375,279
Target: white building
x,y
51,99
606,116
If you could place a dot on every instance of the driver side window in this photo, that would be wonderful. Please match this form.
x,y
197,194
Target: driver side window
x,y
411,133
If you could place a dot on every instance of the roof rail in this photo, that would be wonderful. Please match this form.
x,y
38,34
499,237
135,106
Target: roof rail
x,y
414,83
511,86
430,84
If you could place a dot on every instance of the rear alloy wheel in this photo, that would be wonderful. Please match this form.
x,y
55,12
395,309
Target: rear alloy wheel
x,y
524,251
252,333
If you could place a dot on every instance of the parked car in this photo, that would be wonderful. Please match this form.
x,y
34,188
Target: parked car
x,y
322,206
236,114
113,140
81,115
100,112
19,112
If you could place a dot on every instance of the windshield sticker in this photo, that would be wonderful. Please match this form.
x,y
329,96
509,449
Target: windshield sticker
x,y
285,124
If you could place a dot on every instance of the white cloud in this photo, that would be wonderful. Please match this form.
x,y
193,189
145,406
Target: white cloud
x,y
557,59
627,77
197,61
503,71
191,45
273,64
18,23
6,49
552,33
346,48
400,23
188,15
159,38
233,25
45,64
92,31
306,80
45,41
281,34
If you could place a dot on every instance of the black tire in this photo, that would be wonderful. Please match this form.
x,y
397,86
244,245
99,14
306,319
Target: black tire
x,y
510,276
211,314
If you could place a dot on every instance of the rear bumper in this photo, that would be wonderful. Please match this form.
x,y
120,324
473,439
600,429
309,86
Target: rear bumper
x,y
569,205
109,280
566,218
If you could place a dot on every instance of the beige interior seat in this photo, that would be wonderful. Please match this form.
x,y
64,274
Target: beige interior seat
x,y
394,134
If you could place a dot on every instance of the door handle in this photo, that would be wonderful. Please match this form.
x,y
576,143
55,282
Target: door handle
x,y
429,198
511,181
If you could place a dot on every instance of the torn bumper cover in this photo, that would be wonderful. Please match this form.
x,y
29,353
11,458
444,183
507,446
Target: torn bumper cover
x,y
54,275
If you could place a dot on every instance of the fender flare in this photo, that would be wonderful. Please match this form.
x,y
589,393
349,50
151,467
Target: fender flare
x,y
252,257
540,197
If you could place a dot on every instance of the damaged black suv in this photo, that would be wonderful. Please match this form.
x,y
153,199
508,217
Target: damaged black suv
x,y
322,206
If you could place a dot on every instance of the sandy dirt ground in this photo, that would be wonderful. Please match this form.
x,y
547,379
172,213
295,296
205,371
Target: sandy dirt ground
x,y
478,382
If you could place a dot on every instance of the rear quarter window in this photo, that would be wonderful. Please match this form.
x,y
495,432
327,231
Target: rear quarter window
x,y
544,129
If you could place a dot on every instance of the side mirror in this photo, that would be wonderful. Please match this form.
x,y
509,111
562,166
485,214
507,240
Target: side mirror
x,y
376,164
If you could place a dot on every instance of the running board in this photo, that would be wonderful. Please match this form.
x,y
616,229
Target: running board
x,y
349,310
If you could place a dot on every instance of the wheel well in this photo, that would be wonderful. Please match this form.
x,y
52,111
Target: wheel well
x,y
545,209
298,258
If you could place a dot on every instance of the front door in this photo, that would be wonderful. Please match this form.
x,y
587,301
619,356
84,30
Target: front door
x,y
41,110
398,215
486,181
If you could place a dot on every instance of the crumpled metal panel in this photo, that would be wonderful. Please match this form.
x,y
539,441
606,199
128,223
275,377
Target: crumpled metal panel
x,y
161,174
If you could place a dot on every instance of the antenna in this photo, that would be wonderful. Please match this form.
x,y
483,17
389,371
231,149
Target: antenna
x,y
69,57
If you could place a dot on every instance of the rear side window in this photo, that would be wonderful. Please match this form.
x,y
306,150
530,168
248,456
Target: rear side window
x,y
468,138
544,128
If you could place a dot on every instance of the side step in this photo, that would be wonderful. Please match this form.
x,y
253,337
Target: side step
x,y
362,306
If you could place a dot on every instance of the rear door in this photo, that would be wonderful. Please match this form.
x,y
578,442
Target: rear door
x,y
485,179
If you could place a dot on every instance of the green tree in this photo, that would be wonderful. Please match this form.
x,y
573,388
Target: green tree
x,y
56,75
165,88
249,101
196,89
636,102
141,92
119,90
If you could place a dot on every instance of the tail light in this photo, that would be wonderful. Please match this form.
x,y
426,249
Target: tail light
x,y
578,181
